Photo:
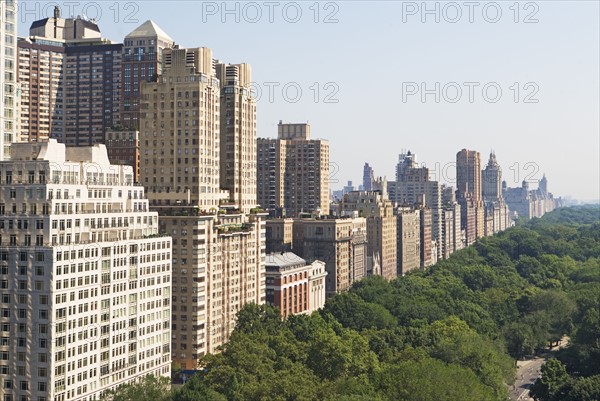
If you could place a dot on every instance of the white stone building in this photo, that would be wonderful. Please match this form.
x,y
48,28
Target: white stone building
x,y
85,279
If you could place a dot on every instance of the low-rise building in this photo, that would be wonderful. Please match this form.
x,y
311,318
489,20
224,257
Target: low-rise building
x,y
341,243
292,285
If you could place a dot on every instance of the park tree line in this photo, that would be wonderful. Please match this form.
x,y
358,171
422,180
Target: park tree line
x,y
450,333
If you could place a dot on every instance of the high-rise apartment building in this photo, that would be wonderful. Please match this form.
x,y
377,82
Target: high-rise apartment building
x,y
413,186
41,78
218,251
526,203
65,29
86,279
141,62
469,196
381,227
9,108
91,73
408,240
543,185
305,187
428,245
92,91
307,170
180,137
368,178
451,224
238,134
270,182
339,243
497,214
468,174
491,180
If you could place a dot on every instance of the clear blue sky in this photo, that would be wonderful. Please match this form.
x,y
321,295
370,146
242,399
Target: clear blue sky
x,y
371,53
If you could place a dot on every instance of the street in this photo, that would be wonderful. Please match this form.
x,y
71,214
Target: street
x,y
527,372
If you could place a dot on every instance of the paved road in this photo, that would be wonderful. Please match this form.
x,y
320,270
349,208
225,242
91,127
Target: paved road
x,y
527,373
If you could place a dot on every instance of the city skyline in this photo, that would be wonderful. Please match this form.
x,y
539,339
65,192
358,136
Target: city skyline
x,y
144,169
504,53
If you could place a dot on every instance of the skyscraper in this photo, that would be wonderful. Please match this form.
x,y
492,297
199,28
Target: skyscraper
x,y
452,232
468,174
305,186
9,109
91,93
41,77
412,185
238,134
543,185
491,187
368,177
497,215
86,284
381,227
468,181
180,137
408,240
142,62
218,251
271,157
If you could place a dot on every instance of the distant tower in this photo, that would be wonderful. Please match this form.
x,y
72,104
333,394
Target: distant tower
x,y
468,174
468,184
368,178
142,62
380,184
491,185
543,185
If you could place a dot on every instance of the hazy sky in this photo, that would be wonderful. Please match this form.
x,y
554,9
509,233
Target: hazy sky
x,y
369,74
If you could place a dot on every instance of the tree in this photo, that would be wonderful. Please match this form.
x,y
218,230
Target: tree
x,y
430,379
148,388
352,311
559,310
549,385
196,389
